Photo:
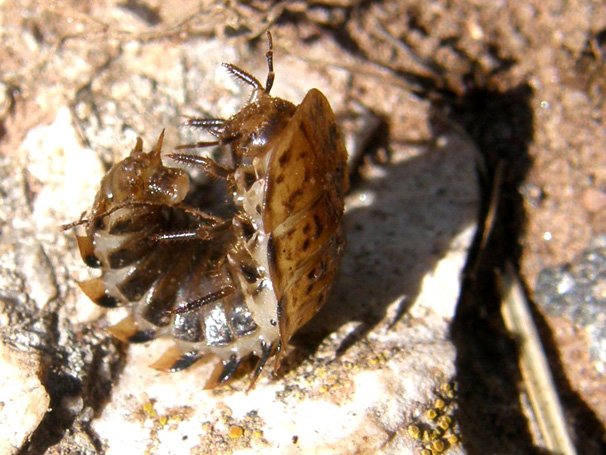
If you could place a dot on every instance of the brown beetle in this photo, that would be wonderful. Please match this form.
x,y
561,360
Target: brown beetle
x,y
228,287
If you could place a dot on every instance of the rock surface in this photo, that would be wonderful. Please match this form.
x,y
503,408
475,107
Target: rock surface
x,y
23,400
362,373
409,81
393,368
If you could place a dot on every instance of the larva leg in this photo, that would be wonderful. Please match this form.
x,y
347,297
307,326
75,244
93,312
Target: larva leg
x,y
207,232
266,352
229,369
209,298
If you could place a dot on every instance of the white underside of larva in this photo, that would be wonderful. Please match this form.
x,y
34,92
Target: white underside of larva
x,y
259,297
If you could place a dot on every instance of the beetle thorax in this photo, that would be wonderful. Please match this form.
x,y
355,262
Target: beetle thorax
x,y
255,126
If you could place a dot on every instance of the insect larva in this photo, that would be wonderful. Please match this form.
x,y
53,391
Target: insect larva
x,y
228,287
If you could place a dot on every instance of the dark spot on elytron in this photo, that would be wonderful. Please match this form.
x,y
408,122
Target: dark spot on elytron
x,y
307,174
305,133
319,226
334,135
306,228
249,180
284,159
321,273
258,209
305,245
312,274
271,251
273,322
107,301
320,300
280,178
310,287
290,203
92,261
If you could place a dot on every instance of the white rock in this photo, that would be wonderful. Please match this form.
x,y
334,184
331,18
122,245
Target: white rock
x,y
405,250
23,400
68,173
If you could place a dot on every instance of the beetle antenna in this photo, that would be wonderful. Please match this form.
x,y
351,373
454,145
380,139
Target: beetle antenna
x,y
242,75
269,55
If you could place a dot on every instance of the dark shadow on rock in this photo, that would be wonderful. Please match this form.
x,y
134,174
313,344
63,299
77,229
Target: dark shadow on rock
x,y
413,213
490,413
79,369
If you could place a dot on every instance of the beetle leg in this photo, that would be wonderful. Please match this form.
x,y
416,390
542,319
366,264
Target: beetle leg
x,y
197,145
203,215
81,220
180,236
210,167
202,232
213,125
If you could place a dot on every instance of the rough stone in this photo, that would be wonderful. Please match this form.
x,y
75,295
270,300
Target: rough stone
x,y
23,400
365,375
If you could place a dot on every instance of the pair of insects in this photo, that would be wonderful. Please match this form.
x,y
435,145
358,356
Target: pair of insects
x,y
228,286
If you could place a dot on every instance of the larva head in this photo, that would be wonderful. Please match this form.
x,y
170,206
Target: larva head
x,y
141,178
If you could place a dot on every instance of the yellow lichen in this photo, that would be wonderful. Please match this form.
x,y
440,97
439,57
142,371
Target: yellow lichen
x,y
414,431
434,428
148,408
236,432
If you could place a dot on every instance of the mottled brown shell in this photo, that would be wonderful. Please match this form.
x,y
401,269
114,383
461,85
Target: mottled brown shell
x,y
303,208
228,287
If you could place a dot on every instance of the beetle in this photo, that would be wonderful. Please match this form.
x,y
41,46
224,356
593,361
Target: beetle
x,y
225,286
